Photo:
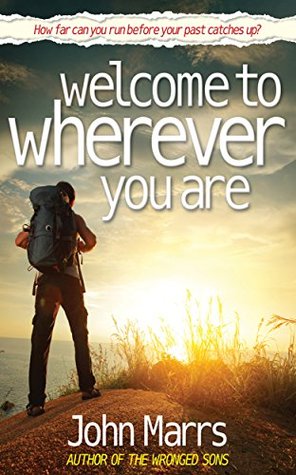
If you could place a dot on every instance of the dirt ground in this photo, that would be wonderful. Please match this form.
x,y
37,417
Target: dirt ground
x,y
257,443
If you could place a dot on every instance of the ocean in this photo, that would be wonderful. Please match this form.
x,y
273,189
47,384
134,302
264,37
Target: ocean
x,y
14,364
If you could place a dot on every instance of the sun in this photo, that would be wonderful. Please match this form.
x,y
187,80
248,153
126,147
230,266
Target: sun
x,y
172,315
172,320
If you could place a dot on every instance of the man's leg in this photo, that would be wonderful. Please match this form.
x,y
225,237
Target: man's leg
x,y
73,304
46,308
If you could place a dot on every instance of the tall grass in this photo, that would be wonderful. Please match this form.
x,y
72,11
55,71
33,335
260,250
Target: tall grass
x,y
216,368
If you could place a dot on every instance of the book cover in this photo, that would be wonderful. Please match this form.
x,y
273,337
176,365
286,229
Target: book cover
x,y
174,124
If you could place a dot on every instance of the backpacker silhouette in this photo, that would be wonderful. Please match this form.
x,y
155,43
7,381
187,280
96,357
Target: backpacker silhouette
x,y
52,232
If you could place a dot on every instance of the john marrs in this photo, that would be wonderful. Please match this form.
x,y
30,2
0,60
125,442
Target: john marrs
x,y
170,434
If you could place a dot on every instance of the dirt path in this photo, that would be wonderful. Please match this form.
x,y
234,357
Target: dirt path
x,y
257,443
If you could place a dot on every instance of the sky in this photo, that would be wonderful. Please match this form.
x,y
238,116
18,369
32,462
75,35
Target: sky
x,y
145,260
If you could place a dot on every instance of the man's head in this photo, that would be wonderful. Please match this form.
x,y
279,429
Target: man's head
x,y
68,189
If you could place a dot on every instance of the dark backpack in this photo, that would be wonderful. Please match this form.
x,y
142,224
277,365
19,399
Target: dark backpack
x,y
53,231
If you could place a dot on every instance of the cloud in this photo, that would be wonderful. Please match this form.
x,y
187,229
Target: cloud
x,y
15,73
188,6
4,99
14,207
232,55
4,3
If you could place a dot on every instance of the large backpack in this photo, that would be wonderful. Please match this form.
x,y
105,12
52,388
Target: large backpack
x,y
53,231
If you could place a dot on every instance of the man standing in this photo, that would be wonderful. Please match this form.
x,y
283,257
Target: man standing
x,y
60,288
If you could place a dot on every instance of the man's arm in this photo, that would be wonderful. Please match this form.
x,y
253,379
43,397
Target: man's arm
x,y
88,237
22,239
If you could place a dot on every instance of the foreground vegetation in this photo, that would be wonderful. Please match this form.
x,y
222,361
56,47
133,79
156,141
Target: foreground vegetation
x,y
216,369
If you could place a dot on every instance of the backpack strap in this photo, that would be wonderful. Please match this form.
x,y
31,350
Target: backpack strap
x,y
35,283
80,272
